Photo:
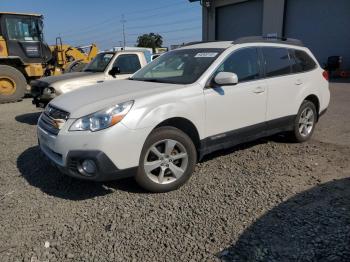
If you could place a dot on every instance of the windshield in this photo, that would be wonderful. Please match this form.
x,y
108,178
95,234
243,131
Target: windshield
x,y
182,66
99,63
24,28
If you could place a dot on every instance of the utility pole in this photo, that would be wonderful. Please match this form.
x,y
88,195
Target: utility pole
x,y
123,21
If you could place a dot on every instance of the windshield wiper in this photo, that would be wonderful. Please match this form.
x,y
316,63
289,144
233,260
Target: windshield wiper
x,y
151,80
91,70
155,80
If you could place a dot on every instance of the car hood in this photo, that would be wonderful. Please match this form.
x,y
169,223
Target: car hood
x,y
67,82
68,76
93,98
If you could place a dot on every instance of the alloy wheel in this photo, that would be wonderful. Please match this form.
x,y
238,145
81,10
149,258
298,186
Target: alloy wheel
x,y
166,161
306,122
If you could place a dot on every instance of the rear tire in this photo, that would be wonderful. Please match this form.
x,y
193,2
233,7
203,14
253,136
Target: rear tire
x,y
167,160
304,123
12,84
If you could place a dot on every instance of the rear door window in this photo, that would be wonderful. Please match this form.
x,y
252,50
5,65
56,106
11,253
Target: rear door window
x,y
277,61
302,62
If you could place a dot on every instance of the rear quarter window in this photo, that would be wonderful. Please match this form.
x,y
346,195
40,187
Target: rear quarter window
x,y
301,61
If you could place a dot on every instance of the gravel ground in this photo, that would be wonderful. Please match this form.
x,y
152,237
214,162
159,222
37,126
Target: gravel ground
x,y
264,201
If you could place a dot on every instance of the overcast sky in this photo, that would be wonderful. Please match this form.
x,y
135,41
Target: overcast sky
x,y
81,22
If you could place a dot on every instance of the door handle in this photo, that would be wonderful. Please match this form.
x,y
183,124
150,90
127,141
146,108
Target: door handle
x,y
259,90
100,81
299,82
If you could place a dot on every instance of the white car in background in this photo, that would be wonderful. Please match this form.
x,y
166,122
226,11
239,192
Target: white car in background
x,y
106,66
185,104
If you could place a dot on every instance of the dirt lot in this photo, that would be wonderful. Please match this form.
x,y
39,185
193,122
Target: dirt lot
x,y
265,201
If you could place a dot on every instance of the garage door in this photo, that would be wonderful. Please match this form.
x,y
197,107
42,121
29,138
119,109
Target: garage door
x,y
323,25
238,20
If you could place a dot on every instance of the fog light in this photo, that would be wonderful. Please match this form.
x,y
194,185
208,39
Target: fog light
x,y
89,167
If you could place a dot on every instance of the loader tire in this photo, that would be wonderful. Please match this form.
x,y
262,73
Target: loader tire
x,y
12,84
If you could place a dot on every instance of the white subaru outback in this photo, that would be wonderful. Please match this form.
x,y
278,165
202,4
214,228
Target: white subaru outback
x,y
187,103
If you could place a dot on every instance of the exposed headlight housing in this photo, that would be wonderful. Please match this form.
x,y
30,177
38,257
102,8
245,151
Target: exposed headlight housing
x,y
48,91
102,119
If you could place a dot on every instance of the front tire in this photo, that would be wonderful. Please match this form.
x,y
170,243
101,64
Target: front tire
x,y
12,84
305,122
167,160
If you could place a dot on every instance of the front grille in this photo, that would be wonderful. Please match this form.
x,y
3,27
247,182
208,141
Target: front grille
x,y
48,124
53,119
56,113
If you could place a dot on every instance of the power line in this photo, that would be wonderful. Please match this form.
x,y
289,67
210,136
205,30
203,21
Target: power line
x,y
163,14
116,31
163,24
164,32
140,33
113,19
156,8
144,18
171,31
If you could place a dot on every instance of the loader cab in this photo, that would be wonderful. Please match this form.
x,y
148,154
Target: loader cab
x,y
23,36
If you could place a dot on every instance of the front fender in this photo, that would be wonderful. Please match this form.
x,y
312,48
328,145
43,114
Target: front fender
x,y
188,103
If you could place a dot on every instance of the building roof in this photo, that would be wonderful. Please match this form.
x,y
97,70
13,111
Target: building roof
x,y
13,13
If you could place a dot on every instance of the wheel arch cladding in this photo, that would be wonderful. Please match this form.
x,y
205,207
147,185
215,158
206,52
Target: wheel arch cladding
x,y
185,126
314,99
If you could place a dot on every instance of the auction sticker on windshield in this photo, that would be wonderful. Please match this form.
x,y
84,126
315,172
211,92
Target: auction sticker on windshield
x,y
206,55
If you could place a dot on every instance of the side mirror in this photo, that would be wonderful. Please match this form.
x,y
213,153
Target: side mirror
x,y
114,71
226,79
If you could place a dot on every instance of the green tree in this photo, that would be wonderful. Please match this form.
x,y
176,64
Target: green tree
x,y
150,40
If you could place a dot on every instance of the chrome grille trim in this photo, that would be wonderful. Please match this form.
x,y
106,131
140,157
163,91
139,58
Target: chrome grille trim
x,y
56,113
47,124
48,117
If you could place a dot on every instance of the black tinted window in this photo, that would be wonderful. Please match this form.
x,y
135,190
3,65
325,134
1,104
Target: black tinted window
x,y
302,61
128,64
277,61
244,63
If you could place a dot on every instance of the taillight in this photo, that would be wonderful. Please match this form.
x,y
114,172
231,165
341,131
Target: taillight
x,y
325,75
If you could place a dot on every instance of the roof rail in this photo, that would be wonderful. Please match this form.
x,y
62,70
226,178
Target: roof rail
x,y
268,39
193,43
199,42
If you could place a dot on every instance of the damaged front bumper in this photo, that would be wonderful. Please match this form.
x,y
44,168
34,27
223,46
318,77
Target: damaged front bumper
x,y
42,95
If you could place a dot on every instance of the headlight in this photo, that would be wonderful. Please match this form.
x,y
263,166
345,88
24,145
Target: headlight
x,y
48,91
102,119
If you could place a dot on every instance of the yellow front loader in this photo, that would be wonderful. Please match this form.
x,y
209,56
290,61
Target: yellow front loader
x,y
24,55
69,58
